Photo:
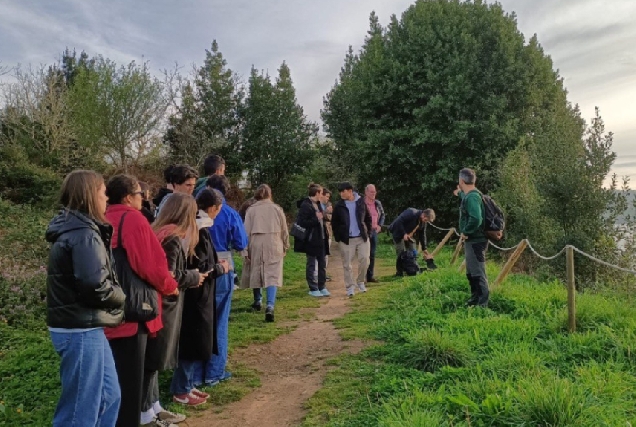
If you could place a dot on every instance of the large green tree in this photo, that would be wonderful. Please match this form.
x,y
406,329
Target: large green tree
x,y
448,85
278,139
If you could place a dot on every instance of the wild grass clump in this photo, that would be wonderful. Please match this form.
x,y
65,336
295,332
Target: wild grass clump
x,y
428,350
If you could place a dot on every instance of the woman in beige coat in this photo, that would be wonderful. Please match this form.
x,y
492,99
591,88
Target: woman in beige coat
x,y
268,241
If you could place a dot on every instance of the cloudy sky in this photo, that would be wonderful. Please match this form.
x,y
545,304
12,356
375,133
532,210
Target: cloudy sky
x,y
592,43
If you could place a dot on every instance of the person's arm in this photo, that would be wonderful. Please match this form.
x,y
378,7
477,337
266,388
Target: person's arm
x,y
381,216
307,216
93,281
368,221
185,278
472,204
398,226
284,233
239,236
145,254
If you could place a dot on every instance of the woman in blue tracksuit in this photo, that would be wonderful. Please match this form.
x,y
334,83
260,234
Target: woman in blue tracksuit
x,y
228,233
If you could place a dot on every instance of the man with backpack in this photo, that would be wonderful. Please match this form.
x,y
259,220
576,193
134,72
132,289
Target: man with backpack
x,y
408,230
472,226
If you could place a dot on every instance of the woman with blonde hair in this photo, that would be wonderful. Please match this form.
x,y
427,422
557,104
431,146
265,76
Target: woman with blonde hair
x,y
83,297
178,233
268,238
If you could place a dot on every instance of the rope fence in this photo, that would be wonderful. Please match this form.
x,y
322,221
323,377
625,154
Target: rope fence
x,y
519,248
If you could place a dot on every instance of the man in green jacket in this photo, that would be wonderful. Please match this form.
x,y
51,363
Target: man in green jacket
x,y
471,226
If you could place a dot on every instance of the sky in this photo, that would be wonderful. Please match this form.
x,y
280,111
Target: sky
x,y
592,43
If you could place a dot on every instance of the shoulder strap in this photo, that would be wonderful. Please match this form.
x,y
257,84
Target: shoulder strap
x,y
121,225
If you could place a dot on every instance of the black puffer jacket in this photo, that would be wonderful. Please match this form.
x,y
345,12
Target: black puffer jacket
x,y
82,289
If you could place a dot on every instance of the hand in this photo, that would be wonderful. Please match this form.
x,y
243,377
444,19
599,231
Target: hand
x,y
225,265
319,215
202,277
426,255
329,209
378,228
463,236
406,237
457,190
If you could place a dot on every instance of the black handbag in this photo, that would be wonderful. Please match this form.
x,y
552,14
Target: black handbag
x,y
142,304
300,233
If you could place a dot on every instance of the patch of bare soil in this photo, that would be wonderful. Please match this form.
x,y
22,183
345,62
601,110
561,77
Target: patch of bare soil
x,y
292,367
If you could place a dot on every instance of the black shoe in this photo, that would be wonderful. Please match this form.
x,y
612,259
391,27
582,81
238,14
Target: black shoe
x,y
399,274
373,280
269,314
256,306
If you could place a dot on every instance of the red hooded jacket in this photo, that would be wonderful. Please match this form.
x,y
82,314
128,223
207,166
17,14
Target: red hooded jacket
x,y
146,258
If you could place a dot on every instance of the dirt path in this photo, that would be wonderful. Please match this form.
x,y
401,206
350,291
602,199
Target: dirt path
x,y
292,367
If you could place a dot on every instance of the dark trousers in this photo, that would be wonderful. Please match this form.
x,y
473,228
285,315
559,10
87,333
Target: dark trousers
x,y
373,239
129,354
476,273
150,393
310,272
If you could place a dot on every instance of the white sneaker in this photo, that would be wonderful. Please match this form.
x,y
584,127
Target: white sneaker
x,y
361,287
351,291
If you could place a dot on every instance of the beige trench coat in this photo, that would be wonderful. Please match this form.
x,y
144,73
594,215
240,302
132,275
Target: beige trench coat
x,y
266,229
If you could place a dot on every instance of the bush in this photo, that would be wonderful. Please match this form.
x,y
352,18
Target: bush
x,y
429,350
23,182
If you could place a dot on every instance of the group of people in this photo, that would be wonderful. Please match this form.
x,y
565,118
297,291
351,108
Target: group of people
x,y
135,289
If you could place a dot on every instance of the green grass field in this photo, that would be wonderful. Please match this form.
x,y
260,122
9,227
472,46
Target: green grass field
x,y
433,362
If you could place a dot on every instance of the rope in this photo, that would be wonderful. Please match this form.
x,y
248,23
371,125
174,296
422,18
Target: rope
x,y
443,229
545,258
490,243
600,261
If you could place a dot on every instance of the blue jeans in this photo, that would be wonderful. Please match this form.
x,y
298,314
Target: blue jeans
x,y
271,295
214,369
373,238
90,390
182,378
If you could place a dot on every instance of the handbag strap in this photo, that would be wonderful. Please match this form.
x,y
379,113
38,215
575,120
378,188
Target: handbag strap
x,y
120,242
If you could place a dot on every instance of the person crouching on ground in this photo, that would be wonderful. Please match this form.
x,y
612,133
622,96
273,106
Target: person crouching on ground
x,y
409,229
268,238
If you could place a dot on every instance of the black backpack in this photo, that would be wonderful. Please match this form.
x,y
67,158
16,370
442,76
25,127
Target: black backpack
x,y
494,221
408,263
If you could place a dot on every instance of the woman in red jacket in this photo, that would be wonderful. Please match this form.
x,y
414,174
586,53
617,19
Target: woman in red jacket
x,y
146,258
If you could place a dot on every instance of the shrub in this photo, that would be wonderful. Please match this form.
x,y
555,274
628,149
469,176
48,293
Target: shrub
x,y
429,350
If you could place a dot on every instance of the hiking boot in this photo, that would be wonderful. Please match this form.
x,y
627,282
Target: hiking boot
x,y
373,280
325,292
170,417
361,287
399,274
257,306
315,293
269,314
188,399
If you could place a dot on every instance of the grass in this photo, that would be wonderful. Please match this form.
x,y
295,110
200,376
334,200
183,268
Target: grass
x,y
434,362
29,367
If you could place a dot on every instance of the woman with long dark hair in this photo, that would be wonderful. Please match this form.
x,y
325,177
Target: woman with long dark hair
x,y
83,297
146,259
198,342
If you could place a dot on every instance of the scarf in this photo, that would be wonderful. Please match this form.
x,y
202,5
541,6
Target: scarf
x,y
204,220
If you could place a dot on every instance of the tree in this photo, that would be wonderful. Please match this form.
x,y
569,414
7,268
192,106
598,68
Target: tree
x,y
207,120
118,110
277,137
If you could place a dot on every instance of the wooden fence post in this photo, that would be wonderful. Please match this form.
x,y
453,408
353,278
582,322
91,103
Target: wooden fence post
x,y
462,266
458,248
511,262
569,257
443,242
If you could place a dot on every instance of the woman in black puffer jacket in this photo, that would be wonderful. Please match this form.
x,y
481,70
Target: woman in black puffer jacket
x,y
83,297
